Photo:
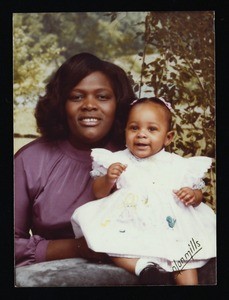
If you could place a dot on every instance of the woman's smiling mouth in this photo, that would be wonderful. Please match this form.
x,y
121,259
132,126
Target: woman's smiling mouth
x,y
89,121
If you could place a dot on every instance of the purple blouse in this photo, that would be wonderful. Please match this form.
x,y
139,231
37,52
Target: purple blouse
x,y
51,180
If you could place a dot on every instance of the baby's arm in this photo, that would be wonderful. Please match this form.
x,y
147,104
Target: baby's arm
x,y
103,185
189,196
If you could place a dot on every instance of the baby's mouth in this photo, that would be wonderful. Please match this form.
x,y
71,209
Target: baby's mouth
x,y
141,145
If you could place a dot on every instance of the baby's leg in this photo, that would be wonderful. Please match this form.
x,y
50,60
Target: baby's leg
x,y
186,277
148,272
125,263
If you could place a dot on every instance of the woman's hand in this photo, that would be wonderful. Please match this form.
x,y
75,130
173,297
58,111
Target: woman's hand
x,y
86,252
189,196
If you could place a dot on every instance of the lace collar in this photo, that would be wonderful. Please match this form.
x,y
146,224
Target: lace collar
x,y
160,155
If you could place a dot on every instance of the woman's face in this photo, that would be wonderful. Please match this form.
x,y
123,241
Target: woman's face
x,y
90,110
147,130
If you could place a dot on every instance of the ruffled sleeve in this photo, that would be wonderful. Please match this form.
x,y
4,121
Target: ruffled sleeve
x,y
196,169
101,160
199,165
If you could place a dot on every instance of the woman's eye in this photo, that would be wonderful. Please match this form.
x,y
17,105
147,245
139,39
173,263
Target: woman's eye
x,y
103,97
76,98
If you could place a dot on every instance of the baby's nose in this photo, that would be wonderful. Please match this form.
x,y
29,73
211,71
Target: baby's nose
x,y
142,134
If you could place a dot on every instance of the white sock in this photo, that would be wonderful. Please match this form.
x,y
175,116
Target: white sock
x,y
144,262
141,264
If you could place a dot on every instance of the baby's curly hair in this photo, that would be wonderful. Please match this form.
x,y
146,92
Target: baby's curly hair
x,y
155,100
50,110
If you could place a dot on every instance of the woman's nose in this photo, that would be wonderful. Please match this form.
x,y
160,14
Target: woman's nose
x,y
89,103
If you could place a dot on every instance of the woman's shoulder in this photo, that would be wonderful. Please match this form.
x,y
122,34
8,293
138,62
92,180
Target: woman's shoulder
x,y
35,147
39,152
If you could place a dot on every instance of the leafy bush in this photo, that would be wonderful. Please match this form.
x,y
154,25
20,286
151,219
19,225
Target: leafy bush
x,y
178,65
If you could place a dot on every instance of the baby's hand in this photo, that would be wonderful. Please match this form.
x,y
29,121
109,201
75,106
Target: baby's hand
x,y
115,170
186,195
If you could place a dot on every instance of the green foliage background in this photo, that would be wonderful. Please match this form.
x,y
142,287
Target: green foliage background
x,y
167,54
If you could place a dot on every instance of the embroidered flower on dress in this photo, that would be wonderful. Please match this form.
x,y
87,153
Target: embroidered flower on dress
x,y
171,221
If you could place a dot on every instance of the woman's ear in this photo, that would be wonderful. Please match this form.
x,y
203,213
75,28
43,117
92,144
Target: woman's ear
x,y
169,137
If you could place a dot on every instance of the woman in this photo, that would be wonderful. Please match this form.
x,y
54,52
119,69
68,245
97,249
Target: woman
x,y
83,108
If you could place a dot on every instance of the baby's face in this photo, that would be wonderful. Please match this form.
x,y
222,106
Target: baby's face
x,y
147,129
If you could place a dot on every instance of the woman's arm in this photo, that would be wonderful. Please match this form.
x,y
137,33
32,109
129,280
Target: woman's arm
x,y
71,248
30,249
102,186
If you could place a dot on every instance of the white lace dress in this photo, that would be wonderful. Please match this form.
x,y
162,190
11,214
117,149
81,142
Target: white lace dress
x,y
143,218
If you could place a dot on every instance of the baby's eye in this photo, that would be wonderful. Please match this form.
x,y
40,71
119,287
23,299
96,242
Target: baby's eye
x,y
133,127
152,128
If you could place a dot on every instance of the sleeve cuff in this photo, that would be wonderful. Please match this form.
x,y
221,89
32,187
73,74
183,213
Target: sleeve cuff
x,y
41,249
